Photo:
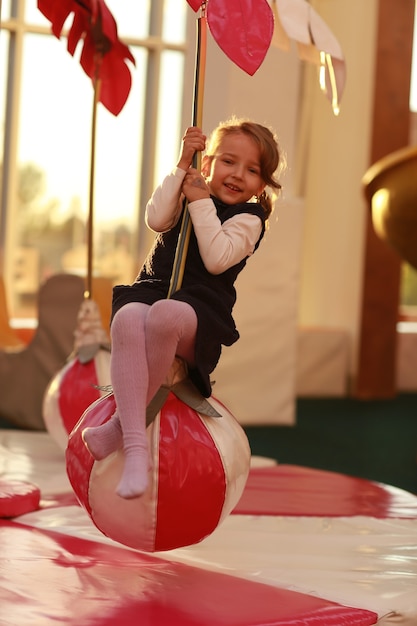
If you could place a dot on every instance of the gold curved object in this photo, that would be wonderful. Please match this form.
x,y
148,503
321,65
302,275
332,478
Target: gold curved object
x,y
390,186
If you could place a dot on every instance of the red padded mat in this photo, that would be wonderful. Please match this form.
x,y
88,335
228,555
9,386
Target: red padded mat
x,y
18,497
46,577
294,490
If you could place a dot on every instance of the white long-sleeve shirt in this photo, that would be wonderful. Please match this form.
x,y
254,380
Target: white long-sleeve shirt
x,y
220,245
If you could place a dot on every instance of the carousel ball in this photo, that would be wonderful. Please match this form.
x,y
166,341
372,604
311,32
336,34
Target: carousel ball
x,y
71,391
198,470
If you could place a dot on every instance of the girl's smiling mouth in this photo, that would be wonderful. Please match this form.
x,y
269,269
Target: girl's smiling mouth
x,y
232,187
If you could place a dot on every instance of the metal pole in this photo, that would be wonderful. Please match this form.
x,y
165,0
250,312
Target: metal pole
x,y
90,222
185,230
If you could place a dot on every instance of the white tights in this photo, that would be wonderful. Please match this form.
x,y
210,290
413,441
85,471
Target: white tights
x,y
145,340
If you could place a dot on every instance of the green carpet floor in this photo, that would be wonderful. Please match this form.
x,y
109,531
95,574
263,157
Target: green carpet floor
x,y
368,439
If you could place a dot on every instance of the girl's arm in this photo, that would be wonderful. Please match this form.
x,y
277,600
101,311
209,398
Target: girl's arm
x,y
164,207
223,245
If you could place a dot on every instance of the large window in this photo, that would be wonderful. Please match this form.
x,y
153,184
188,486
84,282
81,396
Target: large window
x,y
46,104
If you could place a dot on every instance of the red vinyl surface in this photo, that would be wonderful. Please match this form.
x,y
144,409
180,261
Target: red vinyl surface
x,y
18,497
188,485
46,578
77,391
294,490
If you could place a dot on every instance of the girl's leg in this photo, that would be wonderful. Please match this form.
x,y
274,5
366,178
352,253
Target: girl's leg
x,y
105,439
129,376
128,371
170,329
145,341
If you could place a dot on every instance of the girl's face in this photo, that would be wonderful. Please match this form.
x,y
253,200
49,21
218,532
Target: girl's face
x,y
233,174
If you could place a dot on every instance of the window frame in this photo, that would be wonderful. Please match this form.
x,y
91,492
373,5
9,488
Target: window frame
x,y
17,28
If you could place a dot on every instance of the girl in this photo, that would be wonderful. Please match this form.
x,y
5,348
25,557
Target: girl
x,y
229,208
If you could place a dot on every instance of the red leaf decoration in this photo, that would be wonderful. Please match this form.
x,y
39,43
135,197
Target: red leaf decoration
x,y
103,54
243,30
195,4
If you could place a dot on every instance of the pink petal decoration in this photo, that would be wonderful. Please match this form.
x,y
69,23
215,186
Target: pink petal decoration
x,y
195,4
95,27
243,29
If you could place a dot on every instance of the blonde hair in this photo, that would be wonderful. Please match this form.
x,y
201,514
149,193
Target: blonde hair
x,y
270,158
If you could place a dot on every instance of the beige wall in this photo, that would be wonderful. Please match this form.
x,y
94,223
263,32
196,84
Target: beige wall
x,y
337,152
326,162
256,377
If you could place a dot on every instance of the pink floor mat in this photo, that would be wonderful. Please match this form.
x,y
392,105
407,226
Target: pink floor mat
x,y
48,578
294,490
